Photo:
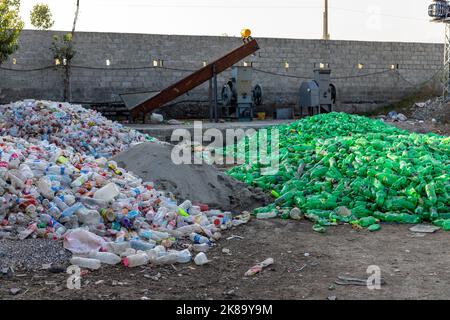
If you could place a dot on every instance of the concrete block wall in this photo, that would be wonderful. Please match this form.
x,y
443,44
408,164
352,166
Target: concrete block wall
x,y
417,63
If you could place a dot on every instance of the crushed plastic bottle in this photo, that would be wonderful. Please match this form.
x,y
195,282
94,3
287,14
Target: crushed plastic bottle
x,y
201,259
336,160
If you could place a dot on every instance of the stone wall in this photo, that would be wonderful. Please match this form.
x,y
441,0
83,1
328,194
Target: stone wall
x,y
131,70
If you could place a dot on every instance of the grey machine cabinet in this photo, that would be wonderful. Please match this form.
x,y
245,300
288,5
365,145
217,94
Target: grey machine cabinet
x,y
318,95
238,96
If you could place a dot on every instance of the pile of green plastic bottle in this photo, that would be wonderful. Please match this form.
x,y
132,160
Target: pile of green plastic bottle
x,y
341,168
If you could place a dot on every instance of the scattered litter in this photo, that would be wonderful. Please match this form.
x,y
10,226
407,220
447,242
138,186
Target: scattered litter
x,y
235,237
259,267
201,259
226,251
303,267
81,241
349,281
56,269
401,117
15,291
424,228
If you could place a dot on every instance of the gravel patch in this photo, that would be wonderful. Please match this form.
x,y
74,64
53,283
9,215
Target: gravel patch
x,y
31,254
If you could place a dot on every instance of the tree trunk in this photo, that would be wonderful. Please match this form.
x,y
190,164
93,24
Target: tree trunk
x,y
67,88
67,82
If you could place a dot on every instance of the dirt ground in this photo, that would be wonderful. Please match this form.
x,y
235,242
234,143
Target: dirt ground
x,y
424,126
306,266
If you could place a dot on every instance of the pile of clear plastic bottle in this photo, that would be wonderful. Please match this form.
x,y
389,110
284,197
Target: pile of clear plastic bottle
x,y
65,125
55,179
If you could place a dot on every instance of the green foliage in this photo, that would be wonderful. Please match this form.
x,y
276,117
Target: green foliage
x,y
62,48
41,17
10,27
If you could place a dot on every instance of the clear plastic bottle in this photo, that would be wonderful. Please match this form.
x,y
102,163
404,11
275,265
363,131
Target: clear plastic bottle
x,y
72,210
266,215
82,179
60,203
59,170
186,205
106,257
45,188
28,231
153,235
94,203
87,263
136,260
68,199
128,252
26,171
107,193
201,259
167,258
117,247
202,247
196,238
142,245
184,256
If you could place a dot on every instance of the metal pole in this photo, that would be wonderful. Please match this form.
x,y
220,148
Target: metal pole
x,y
326,35
216,116
446,72
211,110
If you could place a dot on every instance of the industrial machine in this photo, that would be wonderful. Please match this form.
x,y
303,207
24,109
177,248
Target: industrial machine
x,y
238,96
318,95
142,104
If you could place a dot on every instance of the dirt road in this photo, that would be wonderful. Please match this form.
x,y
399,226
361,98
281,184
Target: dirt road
x,y
306,266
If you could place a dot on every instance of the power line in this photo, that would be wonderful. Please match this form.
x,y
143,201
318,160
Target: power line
x,y
226,5
420,84
379,14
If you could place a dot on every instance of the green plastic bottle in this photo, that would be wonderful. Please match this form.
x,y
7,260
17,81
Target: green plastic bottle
x,y
374,227
367,221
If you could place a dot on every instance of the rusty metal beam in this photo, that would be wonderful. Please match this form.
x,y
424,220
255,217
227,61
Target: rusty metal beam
x,y
195,79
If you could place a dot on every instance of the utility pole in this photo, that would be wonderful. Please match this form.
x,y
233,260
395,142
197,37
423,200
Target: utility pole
x,y
326,35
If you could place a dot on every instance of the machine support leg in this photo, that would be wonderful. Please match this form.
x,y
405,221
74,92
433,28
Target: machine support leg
x,y
216,115
211,107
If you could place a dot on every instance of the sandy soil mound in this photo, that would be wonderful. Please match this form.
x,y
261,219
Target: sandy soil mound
x,y
202,183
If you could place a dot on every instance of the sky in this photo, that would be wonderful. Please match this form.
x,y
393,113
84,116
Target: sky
x,y
367,20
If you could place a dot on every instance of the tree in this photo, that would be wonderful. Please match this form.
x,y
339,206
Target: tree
x,y
10,27
41,17
63,51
